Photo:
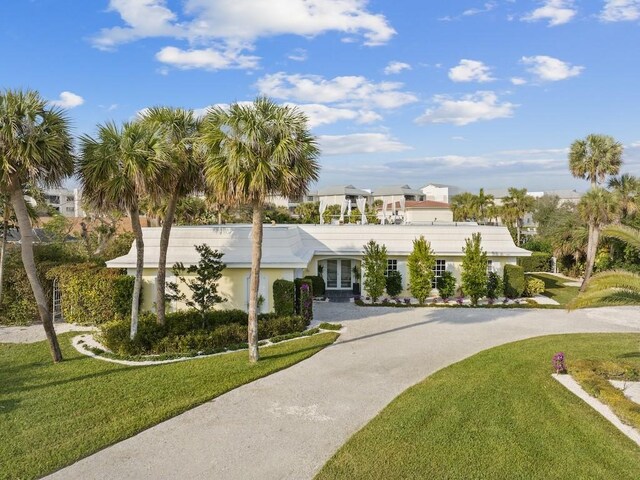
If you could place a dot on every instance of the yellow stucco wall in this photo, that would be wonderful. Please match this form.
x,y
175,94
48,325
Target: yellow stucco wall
x,y
232,286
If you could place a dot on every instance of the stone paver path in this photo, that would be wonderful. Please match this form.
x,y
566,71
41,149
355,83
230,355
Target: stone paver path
x,y
287,425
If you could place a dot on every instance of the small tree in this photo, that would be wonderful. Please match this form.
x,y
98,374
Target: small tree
x,y
446,284
474,269
494,285
374,264
420,263
394,283
204,287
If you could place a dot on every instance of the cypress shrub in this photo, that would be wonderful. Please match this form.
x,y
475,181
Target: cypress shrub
x,y
284,297
306,302
494,285
394,283
513,281
446,285
298,282
537,262
319,287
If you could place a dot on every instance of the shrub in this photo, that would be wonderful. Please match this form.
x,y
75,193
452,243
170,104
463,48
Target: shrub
x,y
298,284
537,262
420,264
317,282
446,285
306,302
330,326
92,295
374,265
474,269
494,285
513,281
394,283
533,287
271,327
284,293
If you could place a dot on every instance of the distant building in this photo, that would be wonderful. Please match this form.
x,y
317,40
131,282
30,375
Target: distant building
x,y
64,201
439,192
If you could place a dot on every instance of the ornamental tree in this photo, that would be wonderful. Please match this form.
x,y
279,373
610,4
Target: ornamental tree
x,y
474,269
374,264
420,263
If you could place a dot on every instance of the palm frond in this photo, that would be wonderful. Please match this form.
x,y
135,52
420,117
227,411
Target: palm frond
x,y
629,235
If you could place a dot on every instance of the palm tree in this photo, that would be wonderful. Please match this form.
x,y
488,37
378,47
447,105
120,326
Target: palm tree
x,y
182,176
626,190
35,148
483,204
464,207
595,157
115,169
255,151
517,204
616,287
596,208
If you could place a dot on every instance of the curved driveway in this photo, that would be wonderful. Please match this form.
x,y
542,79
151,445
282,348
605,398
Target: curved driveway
x,y
287,425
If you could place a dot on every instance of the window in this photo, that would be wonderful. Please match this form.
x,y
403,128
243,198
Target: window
x,y
70,199
70,209
489,266
392,266
441,266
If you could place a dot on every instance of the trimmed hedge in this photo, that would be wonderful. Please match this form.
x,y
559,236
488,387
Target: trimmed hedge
x,y
284,293
533,287
513,281
537,262
92,295
319,287
183,332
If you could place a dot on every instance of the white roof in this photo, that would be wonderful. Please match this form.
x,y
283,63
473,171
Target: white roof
x,y
293,246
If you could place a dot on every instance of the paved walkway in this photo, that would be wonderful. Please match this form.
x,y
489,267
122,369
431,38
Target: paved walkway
x,y
287,425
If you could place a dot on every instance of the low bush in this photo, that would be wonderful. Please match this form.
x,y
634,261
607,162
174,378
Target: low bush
x,y
330,326
394,283
318,285
446,285
494,286
537,262
533,287
284,293
513,281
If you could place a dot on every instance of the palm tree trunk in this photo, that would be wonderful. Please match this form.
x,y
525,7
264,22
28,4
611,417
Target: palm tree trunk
x,y
592,248
518,230
137,284
3,247
26,233
161,275
256,258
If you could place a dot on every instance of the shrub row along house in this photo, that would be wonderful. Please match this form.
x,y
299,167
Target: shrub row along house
x,y
332,251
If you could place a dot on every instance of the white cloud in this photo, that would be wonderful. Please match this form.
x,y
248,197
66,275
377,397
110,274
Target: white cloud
x,y
471,71
323,115
396,67
68,100
360,143
347,91
620,11
298,55
230,27
482,105
488,6
549,69
207,59
518,81
556,12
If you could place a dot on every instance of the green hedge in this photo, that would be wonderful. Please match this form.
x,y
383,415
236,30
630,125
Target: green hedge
x,y
284,293
92,295
537,262
183,332
513,281
319,287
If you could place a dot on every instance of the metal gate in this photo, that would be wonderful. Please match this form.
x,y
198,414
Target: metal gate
x,y
56,310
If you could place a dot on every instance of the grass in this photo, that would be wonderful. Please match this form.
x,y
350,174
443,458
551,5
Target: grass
x,y
497,415
555,288
52,415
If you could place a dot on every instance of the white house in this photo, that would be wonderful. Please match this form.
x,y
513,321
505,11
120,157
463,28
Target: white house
x,y
439,192
292,251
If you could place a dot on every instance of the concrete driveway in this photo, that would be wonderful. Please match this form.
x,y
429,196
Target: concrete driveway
x,y
287,425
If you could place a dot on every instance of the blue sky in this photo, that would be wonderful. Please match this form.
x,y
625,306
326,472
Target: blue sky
x,y
471,93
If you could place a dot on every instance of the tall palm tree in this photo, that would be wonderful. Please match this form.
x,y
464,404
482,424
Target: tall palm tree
x,y
35,148
255,151
626,190
182,176
595,157
464,207
518,203
483,204
115,169
596,208
616,287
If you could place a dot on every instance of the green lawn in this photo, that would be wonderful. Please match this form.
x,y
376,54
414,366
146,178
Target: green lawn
x,y
555,288
52,415
497,415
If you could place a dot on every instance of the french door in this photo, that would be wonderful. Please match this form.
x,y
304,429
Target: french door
x,y
338,274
